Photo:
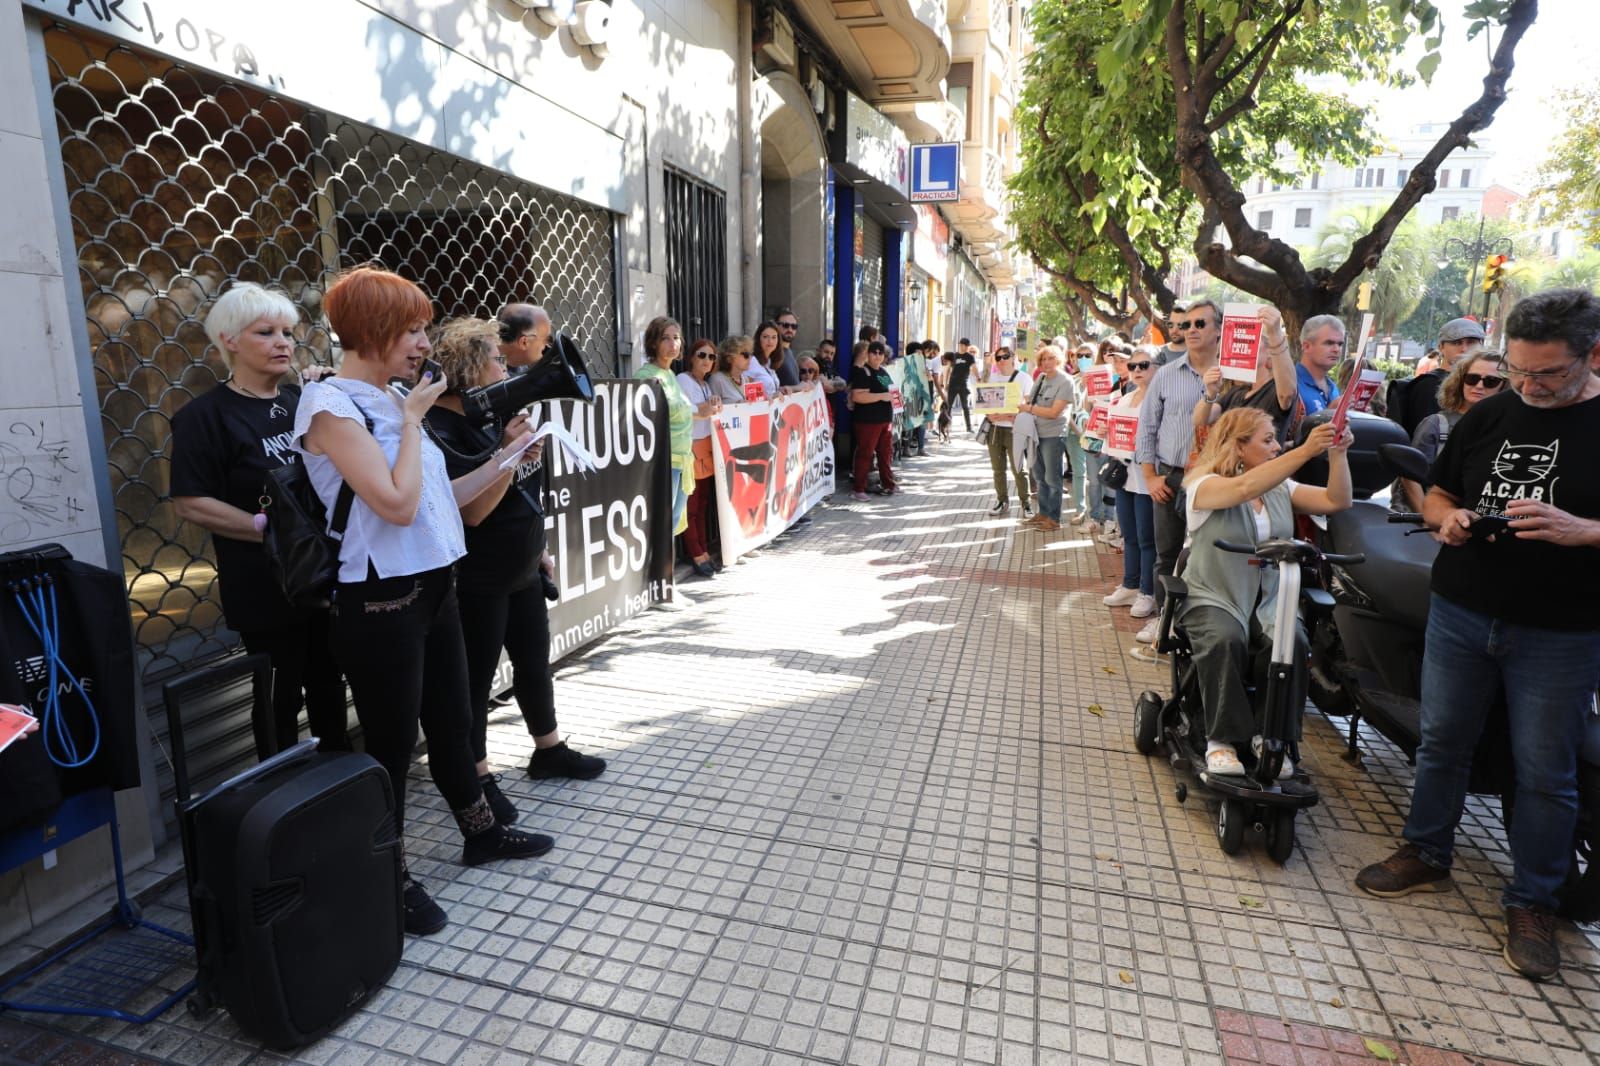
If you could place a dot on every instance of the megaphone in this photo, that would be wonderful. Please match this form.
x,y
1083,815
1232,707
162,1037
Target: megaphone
x,y
558,376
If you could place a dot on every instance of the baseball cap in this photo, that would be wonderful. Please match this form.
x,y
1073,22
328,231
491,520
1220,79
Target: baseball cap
x,y
1461,329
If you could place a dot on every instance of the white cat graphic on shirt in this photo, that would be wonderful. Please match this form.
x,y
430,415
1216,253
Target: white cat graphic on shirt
x,y
1520,472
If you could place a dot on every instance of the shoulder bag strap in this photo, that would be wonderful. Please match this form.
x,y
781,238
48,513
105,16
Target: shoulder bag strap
x,y
347,495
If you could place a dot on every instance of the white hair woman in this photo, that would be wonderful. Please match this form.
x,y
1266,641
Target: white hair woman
x,y
223,444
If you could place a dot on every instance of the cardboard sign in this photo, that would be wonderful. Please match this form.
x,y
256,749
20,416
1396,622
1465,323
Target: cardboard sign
x,y
1240,350
1122,433
1099,421
1364,388
1097,382
997,397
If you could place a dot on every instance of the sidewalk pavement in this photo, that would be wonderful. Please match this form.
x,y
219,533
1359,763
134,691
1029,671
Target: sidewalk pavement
x,y
873,799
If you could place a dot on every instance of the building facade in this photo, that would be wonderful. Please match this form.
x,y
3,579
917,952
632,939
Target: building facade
x,y
1296,212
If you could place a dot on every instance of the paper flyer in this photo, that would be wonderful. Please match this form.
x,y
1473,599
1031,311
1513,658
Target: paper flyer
x,y
1341,410
897,401
1099,421
579,457
1122,433
997,398
14,723
754,392
1097,382
1240,349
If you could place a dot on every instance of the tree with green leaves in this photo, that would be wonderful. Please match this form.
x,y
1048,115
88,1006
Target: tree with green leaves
x,y
1568,179
1223,91
1400,279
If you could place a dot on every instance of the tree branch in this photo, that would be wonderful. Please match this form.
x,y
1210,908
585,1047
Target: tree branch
x,y
1369,248
1268,47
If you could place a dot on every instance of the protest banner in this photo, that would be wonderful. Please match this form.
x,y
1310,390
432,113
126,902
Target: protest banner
x,y
1098,381
609,529
774,462
1122,432
996,397
1240,347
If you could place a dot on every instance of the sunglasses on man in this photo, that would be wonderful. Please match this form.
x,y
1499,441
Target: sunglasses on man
x,y
1192,323
788,325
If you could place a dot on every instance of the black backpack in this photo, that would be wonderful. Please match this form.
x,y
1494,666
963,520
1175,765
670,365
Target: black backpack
x,y
302,545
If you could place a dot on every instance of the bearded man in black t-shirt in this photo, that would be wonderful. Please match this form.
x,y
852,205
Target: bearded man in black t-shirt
x,y
1516,504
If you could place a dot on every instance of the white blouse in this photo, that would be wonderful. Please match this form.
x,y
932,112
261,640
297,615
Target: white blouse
x,y
433,540
697,394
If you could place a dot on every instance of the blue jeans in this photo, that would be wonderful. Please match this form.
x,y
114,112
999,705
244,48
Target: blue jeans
x,y
1137,521
1549,679
1080,480
680,497
1047,457
1096,504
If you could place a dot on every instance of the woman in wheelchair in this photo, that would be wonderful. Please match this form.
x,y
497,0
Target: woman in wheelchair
x,y
1240,490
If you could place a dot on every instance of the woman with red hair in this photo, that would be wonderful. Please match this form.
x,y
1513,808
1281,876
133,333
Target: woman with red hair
x,y
395,629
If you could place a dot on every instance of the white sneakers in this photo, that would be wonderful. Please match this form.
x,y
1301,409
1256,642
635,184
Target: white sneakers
x,y
1143,607
1151,629
1123,597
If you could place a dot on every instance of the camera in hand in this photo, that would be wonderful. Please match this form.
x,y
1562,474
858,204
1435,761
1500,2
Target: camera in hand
x,y
558,376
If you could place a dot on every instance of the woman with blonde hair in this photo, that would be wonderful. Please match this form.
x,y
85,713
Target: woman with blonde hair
x,y
498,585
223,444
1240,490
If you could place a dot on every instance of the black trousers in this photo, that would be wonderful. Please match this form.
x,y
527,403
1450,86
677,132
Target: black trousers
x,y
519,622
1226,659
1170,526
966,406
399,641
302,663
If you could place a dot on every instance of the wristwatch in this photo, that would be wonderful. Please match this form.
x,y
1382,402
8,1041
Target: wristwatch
x,y
1211,397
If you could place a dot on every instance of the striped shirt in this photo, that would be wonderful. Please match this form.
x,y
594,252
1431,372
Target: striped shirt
x,y
1166,418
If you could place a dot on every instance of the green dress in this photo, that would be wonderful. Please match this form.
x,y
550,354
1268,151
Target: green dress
x,y
680,420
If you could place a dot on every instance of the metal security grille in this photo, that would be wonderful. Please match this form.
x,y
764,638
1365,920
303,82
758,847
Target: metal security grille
x,y
179,181
871,309
697,256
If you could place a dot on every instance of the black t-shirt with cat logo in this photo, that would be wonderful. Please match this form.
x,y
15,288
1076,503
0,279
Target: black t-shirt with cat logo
x,y
1504,450
223,444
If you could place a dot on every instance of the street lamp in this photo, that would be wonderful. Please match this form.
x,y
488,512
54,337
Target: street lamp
x,y
914,290
1476,252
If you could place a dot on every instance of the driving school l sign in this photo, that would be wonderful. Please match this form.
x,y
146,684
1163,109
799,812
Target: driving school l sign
x,y
935,173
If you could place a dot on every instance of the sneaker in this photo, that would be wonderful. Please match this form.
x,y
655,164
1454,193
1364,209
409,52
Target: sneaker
x,y
1531,947
562,761
504,812
1403,873
1151,630
502,843
860,497
1146,654
1143,607
1111,538
423,917
1079,517
1093,527
1000,508
1121,597
1027,510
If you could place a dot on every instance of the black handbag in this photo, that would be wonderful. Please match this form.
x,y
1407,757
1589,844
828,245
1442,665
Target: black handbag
x,y
302,545
1114,474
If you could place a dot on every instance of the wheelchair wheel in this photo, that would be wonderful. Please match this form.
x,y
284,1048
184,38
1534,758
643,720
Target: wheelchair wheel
x,y
1146,722
1280,836
1231,822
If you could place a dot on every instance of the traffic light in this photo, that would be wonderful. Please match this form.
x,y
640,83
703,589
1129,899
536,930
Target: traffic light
x,y
1494,269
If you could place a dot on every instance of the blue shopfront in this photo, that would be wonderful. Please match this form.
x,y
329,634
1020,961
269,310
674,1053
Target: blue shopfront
x,y
870,216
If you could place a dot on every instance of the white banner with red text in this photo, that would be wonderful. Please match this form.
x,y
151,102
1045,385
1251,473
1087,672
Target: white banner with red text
x,y
774,462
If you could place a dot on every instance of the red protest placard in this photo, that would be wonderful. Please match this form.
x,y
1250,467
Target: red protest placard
x,y
897,402
1365,388
1097,382
754,392
1240,349
1341,411
1122,432
1099,420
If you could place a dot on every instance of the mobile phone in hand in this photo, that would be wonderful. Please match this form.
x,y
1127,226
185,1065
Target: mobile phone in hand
x,y
429,371
1491,525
